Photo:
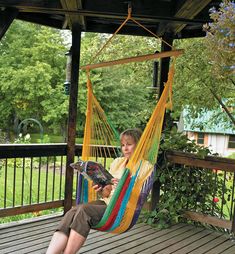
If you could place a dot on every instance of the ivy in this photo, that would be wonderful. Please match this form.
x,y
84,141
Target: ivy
x,y
183,187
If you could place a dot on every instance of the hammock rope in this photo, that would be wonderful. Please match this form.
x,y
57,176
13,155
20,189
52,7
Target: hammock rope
x,y
129,17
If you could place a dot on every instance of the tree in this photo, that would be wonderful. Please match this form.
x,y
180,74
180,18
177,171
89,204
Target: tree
x,y
220,40
196,87
122,90
32,67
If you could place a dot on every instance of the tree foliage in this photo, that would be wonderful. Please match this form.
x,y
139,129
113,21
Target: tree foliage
x,y
32,73
121,90
220,40
196,87
31,69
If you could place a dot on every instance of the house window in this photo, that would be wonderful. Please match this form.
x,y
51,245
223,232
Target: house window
x,y
200,138
231,141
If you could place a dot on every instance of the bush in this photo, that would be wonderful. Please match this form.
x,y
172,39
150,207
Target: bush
x,y
182,187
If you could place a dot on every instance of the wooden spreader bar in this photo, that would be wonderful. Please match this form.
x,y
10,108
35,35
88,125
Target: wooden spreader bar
x,y
133,59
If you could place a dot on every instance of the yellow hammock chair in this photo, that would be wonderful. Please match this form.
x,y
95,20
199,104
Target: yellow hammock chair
x,y
124,208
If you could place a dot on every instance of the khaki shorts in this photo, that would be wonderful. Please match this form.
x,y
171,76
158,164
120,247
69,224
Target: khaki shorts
x,y
82,217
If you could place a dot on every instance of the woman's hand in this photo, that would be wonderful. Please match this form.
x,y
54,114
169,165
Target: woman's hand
x,y
97,188
115,181
104,192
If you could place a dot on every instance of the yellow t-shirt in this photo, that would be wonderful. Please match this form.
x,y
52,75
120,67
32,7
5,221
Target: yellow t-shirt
x,y
117,168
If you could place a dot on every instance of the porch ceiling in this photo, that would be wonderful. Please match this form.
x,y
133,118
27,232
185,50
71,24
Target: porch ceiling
x,y
182,18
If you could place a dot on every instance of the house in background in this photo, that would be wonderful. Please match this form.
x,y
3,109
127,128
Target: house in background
x,y
209,130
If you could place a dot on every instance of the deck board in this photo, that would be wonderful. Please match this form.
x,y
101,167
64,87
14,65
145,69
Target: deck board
x,y
33,236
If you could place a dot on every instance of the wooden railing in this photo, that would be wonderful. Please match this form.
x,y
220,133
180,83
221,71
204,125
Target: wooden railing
x,y
32,179
226,167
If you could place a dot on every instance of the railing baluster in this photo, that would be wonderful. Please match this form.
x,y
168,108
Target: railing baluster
x,y
39,178
31,181
61,173
14,184
223,197
214,192
5,185
53,179
232,198
47,166
22,186
105,162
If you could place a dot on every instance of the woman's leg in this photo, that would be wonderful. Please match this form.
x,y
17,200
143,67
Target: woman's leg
x,y
60,237
58,243
76,224
74,243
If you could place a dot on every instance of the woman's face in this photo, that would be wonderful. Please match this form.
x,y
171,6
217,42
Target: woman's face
x,y
128,146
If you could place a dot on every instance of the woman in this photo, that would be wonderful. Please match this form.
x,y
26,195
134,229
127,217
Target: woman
x,y
77,222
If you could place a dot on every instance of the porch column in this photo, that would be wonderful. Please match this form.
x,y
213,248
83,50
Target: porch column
x,y
73,95
165,62
164,69
6,18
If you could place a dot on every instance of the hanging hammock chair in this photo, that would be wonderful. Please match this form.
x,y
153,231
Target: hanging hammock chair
x,y
99,137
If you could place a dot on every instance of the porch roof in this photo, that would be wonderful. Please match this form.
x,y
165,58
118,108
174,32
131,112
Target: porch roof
x,y
182,19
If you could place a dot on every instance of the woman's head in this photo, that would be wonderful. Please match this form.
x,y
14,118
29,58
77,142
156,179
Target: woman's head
x,y
129,139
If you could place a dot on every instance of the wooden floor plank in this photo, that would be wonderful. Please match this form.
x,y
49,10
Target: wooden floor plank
x,y
115,240
103,236
34,237
161,244
220,249
133,244
231,250
10,236
197,234
210,245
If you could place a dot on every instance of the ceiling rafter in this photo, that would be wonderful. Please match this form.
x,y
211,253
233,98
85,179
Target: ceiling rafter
x,y
188,10
179,18
110,15
71,18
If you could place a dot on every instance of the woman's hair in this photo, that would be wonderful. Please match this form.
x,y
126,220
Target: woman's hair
x,y
134,133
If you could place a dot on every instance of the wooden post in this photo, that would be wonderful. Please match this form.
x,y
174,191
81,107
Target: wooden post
x,y
155,194
6,18
75,50
233,221
164,69
165,62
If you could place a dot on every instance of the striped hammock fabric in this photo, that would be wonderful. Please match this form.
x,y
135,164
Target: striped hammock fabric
x,y
132,190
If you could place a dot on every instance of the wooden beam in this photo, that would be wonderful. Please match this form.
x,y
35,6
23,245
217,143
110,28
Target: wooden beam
x,y
6,18
133,59
71,133
211,162
31,208
73,5
203,218
102,14
188,10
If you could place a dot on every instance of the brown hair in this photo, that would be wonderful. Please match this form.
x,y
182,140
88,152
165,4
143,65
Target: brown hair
x,y
134,133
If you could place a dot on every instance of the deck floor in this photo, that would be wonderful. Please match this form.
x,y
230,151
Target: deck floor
x,y
34,236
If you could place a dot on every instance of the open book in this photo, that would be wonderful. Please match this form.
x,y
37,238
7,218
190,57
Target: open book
x,y
93,171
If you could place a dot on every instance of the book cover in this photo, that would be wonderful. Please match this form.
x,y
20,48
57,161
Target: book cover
x,y
93,171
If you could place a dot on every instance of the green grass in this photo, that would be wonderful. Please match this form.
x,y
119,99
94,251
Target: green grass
x,y
36,138
31,191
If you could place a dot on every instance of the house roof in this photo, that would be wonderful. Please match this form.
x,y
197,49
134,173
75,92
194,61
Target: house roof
x,y
208,122
182,18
